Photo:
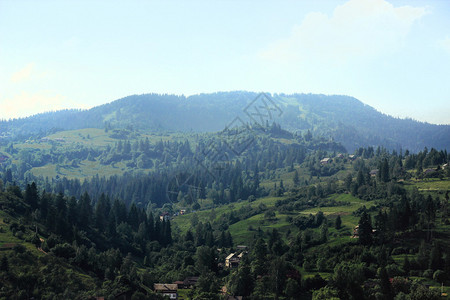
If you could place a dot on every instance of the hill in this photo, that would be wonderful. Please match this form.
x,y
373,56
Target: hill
x,y
342,118
298,241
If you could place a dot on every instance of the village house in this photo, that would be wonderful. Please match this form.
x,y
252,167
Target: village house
x,y
429,171
167,289
190,282
241,247
232,261
165,216
326,160
373,173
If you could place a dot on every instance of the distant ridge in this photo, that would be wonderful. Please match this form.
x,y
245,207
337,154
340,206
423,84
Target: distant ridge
x,y
342,118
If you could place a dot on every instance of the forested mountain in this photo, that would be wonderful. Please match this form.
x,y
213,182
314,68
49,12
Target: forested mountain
x,y
342,118
346,234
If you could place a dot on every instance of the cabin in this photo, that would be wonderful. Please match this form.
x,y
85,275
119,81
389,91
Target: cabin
x,y
167,289
373,173
190,282
232,261
241,247
165,216
429,171
326,160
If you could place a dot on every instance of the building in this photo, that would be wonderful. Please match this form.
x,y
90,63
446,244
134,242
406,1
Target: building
x,y
326,160
232,260
373,173
167,289
165,216
190,282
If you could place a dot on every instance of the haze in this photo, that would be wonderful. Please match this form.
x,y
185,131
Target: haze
x,y
392,55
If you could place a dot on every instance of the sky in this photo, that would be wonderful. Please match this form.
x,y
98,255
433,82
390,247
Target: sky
x,y
391,55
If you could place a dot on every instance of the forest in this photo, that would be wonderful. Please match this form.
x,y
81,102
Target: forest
x,y
286,216
342,118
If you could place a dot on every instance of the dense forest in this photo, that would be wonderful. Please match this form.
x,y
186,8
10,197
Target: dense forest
x,y
257,212
343,118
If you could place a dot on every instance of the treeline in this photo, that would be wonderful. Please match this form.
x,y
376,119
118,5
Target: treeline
x,y
225,167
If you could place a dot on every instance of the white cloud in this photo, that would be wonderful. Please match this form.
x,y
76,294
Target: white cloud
x,y
26,104
23,74
445,44
357,29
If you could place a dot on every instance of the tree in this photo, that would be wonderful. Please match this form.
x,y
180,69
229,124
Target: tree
x,y
338,222
31,195
296,178
85,210
365,229
347,278
4,265
325,293
278,270
324,232
241,283
385,285
384,171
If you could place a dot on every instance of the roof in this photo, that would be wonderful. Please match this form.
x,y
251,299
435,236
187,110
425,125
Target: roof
x,y
230,256
165,287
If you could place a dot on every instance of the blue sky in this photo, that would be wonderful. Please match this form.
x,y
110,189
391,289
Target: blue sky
x,y
392,55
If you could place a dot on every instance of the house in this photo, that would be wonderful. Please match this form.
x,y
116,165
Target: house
x,y
326,160
165,216
373,173
167,289
182,211
340,155
232,260
241,247
355,232
179,283
190,282
429,171
352,156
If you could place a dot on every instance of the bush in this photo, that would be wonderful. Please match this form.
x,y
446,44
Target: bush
x,y
428,273
440,276
64,250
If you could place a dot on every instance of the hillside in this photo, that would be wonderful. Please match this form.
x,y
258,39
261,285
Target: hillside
x,y
343,118
299,240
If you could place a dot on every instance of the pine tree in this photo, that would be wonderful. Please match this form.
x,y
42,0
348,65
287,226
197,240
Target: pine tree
x,y
365,229
4,265
31,195
338,222
296,178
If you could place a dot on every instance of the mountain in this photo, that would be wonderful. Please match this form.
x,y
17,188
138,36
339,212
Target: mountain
x,y
341,118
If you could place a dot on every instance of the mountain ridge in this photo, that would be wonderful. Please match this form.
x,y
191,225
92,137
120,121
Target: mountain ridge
x,y
341,118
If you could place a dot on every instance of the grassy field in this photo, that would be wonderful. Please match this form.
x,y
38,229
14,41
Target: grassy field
x,y
431,184
244,230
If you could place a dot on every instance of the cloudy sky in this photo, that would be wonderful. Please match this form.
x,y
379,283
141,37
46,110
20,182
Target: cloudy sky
x,y
392,55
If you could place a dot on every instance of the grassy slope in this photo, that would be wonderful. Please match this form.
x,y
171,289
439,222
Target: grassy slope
x,y
90,137
242,235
